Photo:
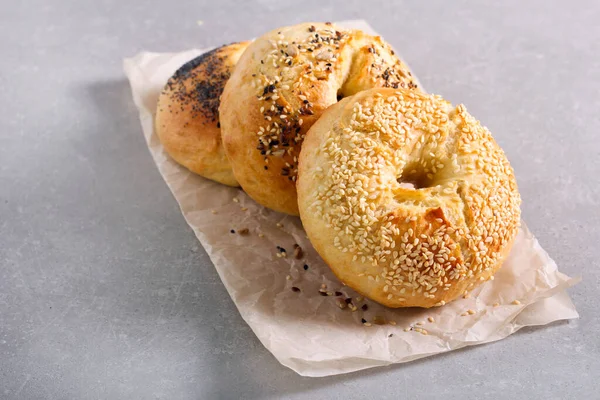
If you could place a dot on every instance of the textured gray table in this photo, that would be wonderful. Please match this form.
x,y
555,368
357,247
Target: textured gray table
x,y
105,292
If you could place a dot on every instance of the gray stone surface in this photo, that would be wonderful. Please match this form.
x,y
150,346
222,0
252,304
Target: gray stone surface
x,y
105,292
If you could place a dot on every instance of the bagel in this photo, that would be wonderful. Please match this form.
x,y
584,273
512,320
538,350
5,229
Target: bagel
x,y
282,84
187,117
408,199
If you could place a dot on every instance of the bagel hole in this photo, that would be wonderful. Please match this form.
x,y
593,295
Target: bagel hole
x,y
415,181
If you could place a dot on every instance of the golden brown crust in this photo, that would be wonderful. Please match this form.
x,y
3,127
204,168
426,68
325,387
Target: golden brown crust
x,y
187,117
409,200
282,84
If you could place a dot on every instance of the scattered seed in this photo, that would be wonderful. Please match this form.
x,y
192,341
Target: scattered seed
x,y
244,208
244,231
341,303
378,320
232,231
407,329
261,235
305,267
236,200
339,293
213,211
392,323
430,319
471,312
298,253
496,304
364,307
279,225
516,302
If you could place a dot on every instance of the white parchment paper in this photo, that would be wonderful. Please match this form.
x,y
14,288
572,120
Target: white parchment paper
x,y
304,330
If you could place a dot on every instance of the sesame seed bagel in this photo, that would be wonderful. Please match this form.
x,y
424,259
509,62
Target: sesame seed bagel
x,y
187,116
280,87
408,199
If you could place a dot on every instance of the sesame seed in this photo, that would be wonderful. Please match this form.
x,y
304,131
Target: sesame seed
x,y
516,302
298,253
430,319
496,304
